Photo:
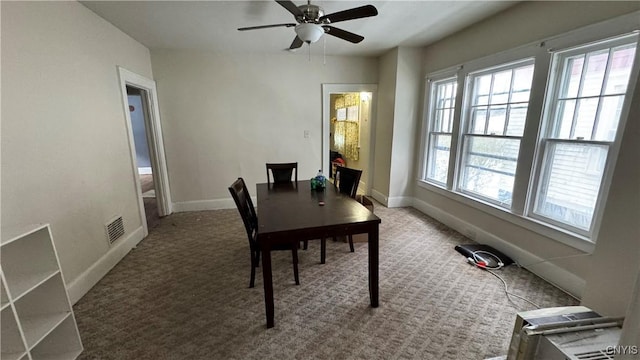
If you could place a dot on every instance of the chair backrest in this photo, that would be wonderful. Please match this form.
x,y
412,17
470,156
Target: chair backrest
x,y
347,180
244,203
282,172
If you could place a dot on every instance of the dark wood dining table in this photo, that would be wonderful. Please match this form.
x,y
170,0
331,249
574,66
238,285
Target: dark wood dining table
x,y
290,213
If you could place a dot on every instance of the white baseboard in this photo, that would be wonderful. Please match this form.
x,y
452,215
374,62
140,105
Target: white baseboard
x,y
548,271
145,171
379,197
399,201
391,202
83,283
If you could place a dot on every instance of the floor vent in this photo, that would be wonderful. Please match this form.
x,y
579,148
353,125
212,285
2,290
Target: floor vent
x,y
595,355
115,229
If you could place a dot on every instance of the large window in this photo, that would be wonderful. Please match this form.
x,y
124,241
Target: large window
x,y
586,96
442,105
535,134
495,118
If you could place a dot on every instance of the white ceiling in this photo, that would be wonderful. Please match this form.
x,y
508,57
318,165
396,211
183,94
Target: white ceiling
x,y
212,25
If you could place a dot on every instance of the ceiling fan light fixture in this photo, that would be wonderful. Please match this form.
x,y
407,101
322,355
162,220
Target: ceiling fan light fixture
x,y
309,33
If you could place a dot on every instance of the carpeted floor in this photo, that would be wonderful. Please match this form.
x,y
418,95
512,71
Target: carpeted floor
x,y
182,294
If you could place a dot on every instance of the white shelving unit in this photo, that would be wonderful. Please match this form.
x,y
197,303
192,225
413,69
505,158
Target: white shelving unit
x,y
37,317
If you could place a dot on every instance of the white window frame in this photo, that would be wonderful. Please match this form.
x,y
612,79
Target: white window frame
x,y
547,133
466,133
529,160
428,122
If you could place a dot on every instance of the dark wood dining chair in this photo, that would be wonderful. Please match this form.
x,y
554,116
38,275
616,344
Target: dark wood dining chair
x,y
244,203
347,181
282,172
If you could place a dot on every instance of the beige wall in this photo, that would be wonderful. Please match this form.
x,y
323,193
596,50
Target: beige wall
x,y
65,151
615,271
384,125
406,115
365,139
521,24
617,253
225,116
397,120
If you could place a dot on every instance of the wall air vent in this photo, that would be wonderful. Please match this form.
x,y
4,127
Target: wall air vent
x,y
115,229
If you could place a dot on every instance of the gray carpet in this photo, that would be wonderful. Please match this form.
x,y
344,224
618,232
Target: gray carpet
x,y
183,294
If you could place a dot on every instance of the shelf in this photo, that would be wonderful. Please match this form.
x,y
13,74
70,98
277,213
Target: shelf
x,y
13,356
22,285
10,342
21,274
4,299
36,328
18,233
37,318
60,356
63,343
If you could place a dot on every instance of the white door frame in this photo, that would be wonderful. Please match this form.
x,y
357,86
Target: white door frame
x,y
156,145
327,90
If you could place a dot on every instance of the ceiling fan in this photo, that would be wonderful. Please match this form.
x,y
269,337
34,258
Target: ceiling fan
x,y
311,22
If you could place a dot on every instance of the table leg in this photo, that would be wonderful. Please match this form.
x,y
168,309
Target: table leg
x,y
268,285
373,265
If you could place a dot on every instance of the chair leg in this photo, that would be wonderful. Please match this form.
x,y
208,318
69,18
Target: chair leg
x,y
294,254
306,244
323,250
253,270
351,243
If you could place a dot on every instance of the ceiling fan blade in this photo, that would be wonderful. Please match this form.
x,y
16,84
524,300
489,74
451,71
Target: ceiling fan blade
x,y
265,26
350,14
291,7
343,34
297,42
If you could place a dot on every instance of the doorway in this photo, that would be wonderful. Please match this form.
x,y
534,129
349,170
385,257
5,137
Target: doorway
x,y
348,130
147,149
138,110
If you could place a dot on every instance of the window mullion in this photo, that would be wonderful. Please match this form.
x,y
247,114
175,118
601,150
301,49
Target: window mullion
x,y
574,122
603,87
448,96
508,109
489,102
456,130
576,107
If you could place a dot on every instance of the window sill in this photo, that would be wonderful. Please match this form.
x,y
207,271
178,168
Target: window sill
x,y
560,235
